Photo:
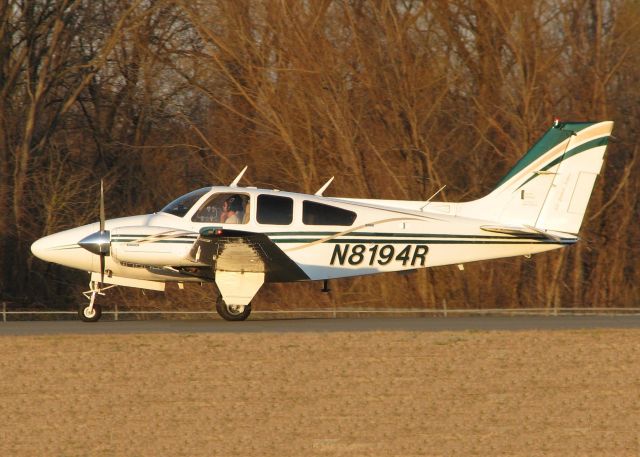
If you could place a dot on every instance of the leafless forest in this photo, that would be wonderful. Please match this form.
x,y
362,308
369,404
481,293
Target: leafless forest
x,y
394,98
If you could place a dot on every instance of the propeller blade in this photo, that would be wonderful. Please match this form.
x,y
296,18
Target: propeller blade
x,y
102,262
102,218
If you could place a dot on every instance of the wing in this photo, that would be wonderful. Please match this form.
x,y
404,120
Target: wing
x,y
241,251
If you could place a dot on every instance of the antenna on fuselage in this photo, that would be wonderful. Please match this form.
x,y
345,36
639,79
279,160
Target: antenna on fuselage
x,y
431,198
235,181
323,188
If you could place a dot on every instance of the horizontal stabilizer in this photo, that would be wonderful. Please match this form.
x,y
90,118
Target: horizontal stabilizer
x,y
526,230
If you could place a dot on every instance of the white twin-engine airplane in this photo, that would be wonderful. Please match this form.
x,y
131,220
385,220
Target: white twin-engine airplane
x,y
242,237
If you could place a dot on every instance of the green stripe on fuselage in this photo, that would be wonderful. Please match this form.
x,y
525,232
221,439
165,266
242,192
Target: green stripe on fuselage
x,y
423,241
423,236
138,241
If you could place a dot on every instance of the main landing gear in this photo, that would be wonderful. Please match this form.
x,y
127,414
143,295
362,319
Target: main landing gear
x,y
232,312
92,312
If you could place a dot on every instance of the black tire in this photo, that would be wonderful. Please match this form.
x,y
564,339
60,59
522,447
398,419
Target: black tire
x,y
232,314
84,317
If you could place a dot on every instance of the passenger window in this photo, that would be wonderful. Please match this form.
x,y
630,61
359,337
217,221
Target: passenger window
x,y
319,214
226,208
275,210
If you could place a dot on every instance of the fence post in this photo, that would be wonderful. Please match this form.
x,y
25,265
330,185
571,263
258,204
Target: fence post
x,y
4,311
116,313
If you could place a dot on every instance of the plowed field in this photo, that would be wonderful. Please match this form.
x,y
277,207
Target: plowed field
x,y
560,393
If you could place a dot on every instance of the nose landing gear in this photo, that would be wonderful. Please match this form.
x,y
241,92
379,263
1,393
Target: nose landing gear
x,y
92,312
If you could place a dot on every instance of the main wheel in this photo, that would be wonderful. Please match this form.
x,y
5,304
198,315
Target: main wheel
x,y
232,312
87,315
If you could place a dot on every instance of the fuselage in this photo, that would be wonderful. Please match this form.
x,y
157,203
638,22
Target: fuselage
x,y
326,237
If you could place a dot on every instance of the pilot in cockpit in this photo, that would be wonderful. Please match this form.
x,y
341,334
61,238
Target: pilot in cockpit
x,y
232,210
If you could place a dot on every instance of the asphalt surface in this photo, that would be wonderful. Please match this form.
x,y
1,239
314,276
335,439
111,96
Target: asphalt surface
x,y
404,324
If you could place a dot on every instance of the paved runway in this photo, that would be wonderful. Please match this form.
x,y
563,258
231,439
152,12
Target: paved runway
x,y
408,324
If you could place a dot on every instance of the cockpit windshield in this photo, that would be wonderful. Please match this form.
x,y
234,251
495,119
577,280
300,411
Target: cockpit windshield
x,y
181,205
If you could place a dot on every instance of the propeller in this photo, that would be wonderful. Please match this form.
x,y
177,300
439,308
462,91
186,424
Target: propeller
x,y
99,243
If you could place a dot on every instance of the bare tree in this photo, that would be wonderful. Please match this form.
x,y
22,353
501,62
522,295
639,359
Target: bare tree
x,y
394,98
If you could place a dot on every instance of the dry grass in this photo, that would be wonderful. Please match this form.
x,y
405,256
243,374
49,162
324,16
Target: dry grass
x,y
377,393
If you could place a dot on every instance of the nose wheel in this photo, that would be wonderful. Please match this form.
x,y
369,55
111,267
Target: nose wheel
x,y
89,313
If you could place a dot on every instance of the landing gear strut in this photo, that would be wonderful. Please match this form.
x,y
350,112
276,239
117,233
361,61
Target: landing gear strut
x,y
232,312
92,311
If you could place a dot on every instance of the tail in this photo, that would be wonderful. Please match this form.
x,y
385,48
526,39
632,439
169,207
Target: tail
x,y
549,188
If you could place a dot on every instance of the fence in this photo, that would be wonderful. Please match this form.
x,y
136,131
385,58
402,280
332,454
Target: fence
x,y
346,312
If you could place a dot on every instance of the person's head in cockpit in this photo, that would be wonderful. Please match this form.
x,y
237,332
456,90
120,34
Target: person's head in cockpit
x,y
231,207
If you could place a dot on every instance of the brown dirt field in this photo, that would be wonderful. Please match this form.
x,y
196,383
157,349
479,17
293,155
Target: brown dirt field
x,y
569,393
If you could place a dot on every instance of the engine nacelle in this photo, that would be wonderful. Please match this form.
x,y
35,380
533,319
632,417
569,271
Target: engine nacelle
x,y
149,245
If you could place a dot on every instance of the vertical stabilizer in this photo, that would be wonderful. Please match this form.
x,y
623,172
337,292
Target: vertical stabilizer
x,y
549,188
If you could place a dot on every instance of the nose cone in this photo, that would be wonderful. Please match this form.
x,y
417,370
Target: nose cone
x,y
63,248
50,247
39,248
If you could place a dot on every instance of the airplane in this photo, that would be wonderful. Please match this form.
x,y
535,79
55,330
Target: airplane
x,y
242,237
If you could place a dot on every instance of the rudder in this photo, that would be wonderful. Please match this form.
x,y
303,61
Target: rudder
x,y
568,197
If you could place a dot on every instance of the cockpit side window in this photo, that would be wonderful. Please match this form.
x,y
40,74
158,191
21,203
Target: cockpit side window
x,y
225,208
320,214
181,205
